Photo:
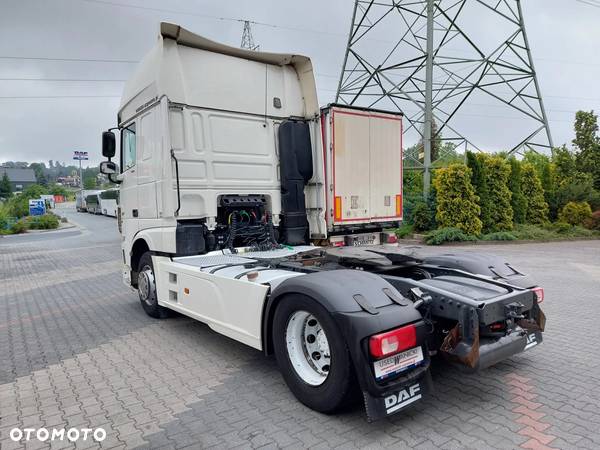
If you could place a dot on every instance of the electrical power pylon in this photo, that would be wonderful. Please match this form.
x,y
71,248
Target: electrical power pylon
x,y
247,38
434,60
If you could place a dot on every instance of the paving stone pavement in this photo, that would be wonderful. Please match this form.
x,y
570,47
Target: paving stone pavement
x,y
76,350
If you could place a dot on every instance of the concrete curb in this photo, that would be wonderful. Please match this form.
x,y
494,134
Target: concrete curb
x,y
518,242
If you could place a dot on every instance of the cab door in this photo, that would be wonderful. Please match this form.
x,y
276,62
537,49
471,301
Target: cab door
x,y
129,211
148,163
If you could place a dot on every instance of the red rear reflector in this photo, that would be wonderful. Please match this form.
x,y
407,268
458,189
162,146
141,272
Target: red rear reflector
x,y
392,239
539,294
394,341
338,209
398,205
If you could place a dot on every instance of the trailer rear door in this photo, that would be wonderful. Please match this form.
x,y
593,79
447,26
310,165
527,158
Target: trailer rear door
x,y
364,166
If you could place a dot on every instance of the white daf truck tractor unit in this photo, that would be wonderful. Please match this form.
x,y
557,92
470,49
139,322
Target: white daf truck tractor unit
x,y
247,207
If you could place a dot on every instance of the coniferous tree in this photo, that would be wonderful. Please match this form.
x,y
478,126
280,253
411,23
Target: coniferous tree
x,y
5,186
537,208
499,213
518,200
456,199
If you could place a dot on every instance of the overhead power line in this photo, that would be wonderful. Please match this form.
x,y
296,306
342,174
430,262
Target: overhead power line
x,y
61,79
58,96
43,58
212,17
235,19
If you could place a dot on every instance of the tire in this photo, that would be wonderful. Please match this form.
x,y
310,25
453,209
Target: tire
x,y
147,288
328,388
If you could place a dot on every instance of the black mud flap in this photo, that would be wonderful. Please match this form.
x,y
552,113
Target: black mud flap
x,y
397,399
533,339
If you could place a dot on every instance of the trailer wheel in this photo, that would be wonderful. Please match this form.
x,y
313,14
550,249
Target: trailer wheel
x,y
147,288
312,355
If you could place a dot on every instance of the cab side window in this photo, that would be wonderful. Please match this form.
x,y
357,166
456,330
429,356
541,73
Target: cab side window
x,y
128,146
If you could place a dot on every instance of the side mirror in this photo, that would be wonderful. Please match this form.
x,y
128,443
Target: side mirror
x,y
108,168
108,144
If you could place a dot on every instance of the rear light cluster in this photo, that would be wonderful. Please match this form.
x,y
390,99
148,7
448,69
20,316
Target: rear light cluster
x,y
498,326
539,294
394,341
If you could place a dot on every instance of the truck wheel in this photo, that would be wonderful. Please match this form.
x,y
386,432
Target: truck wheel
x,y
312,355
147,288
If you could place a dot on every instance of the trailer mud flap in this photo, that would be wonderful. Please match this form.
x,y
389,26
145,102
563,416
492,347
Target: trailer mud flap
x,y
397,399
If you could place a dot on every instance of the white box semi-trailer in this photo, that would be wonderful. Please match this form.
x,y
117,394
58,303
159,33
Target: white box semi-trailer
x,y
363,161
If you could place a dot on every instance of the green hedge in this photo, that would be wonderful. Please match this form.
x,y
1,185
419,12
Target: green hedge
x,y
45,222
450,234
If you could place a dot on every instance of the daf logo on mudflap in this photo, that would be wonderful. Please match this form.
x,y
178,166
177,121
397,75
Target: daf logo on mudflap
x,y
531,341
403,398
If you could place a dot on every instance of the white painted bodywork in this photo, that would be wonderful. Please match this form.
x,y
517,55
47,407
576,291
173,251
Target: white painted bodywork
x,y
108,206
226,300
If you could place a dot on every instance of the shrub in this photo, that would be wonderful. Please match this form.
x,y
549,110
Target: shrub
x,y
550,232
477,163
529,232
4,217
403,231
578,231
593,223
45,222
578,188
456,200
559,227
499,236
499,214
594,200
576,213
18,227
518,200
537,208
422,217
449,234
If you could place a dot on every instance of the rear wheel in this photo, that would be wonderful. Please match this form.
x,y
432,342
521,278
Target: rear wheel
x,y
312,354
147,288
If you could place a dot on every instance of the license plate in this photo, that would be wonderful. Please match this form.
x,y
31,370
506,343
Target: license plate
x,y
361,240
398,363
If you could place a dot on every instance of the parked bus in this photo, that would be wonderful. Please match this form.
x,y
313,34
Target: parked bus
x,y
93,203
80,199
109,200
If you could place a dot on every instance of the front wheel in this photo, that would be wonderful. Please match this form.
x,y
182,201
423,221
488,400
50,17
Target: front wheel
x,y
147,288
312,354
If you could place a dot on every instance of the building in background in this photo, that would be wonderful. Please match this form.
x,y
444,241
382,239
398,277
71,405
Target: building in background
x,y
70,180
19,178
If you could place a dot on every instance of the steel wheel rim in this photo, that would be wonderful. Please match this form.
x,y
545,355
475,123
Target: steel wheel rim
x,y
146,285
308,348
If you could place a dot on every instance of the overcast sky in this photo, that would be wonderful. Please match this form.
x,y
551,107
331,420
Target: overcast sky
x,y
65,113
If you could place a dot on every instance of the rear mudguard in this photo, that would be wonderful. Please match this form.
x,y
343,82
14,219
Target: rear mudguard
x,y
485,264
363,304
